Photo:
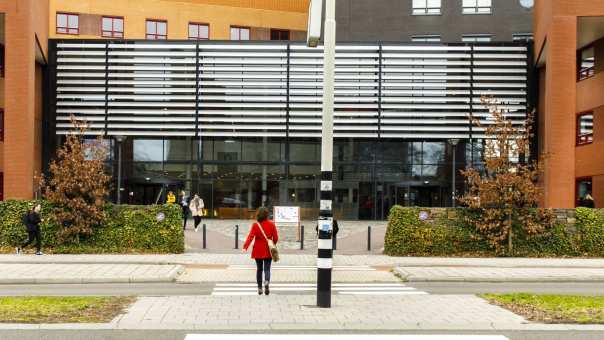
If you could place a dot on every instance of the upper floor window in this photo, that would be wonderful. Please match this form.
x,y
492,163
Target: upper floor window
x,y
476,38
426,7
112,27
587,62
68,23
157,30
279,34
426,38
585,128
477,6
522,36
240,33
199,31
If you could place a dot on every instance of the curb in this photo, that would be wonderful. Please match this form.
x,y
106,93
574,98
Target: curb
x,y
406,277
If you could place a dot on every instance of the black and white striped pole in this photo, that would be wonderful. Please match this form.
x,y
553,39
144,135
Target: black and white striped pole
x,y
325,246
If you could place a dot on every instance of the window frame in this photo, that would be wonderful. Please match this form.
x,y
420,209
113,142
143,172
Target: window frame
x,y
591,71
155,21
240,28
1,186
475,36
426,9
67,28
197,24
280,31
113,31
577,181
2,125
476,9
580,137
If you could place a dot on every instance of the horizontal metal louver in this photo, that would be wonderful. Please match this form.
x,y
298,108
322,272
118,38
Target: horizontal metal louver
x,y
208,88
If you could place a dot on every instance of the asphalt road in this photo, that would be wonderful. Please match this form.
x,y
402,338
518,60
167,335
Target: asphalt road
x,y
166,289
180,335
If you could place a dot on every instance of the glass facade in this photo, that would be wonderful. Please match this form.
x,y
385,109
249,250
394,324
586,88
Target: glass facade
x,y
236,176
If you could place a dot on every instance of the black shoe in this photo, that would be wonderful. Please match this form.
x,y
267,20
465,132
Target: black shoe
x,y
266,288
18,250
259,290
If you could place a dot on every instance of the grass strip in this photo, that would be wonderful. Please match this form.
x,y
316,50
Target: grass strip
x,y
61,309
569,309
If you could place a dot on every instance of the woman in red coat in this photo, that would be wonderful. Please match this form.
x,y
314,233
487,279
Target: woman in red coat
x,y
260,252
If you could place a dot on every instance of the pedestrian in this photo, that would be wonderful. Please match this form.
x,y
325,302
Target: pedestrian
x,y
32,222
171,199
184,204
196,206
261,231
589,201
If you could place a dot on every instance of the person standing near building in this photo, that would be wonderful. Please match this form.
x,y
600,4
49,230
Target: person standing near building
x,y
196,206
171,198
184,204
32,222
261,231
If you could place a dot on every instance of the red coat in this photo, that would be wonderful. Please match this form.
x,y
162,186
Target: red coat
x,y
260,250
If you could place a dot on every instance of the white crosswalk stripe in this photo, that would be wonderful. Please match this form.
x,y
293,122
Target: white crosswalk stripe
x,y
289,267
241,289
257,336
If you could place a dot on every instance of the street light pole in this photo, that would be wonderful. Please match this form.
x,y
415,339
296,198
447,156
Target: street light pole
x,y
325,243
120,140
453,143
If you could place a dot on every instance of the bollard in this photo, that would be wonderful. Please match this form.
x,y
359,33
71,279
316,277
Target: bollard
x,y
369,238
204,235
301,237
236,236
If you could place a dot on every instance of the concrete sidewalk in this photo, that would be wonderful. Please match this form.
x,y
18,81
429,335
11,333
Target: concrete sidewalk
x,y
88,273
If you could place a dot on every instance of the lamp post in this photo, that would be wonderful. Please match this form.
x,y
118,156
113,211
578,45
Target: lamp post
x,y
325,223
119,140
453,143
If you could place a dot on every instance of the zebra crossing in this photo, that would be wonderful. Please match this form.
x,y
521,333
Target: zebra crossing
x,y
294,267
243,289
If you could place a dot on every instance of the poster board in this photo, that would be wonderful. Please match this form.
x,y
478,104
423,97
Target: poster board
x,y
288,216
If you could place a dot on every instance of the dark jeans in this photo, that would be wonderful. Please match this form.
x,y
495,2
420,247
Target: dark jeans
x,y
185,216
197,220
263,265
31,235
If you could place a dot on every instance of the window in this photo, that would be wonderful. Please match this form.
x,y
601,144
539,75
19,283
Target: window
x,y
426,38
240,33
68,23
1,60
426,7
157,30
476,38
522,36
584,192
587,62
112,27
1,125
585,128
199,31
1,186
279,34
477,6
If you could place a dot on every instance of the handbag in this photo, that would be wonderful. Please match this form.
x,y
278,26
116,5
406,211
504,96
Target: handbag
x,y
272,247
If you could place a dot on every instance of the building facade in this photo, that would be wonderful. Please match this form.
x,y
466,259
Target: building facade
x,y
434,20
569,49
24,41
179,19
240,122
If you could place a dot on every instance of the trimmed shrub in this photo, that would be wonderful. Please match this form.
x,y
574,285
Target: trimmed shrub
x,y
441,235
127,229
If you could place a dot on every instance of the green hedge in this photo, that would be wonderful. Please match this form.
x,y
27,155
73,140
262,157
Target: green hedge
x,y
128,229
443,235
